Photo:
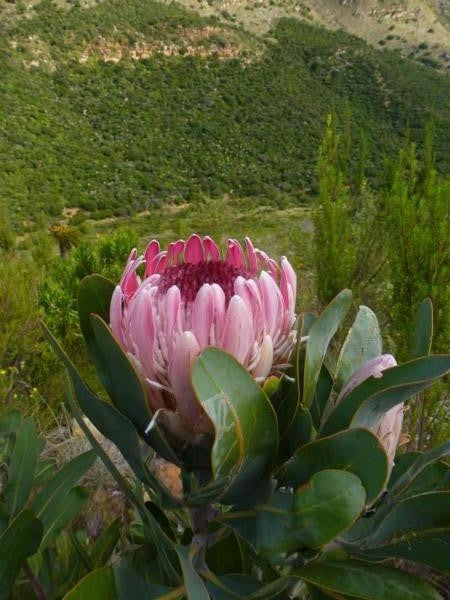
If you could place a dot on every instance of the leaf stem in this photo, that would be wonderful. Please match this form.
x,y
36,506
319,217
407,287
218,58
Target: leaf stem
x,y
34,582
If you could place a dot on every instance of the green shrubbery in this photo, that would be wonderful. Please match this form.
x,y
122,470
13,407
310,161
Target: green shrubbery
x,y
116,138
391,247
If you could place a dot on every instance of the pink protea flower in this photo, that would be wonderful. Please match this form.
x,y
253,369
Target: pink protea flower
x,y
189,298
389,427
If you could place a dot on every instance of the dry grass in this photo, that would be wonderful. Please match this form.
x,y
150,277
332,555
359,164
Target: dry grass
x,y
107,502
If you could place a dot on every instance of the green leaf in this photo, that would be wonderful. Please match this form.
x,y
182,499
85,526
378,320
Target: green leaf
x,y
109,421
432,549
355,450
367,581
45,470
19,541
104,545
322,396
317,513
401,465
246,432
299,433
423,333
375,396
130,586
118,583
434,478
74,501
320,334
269,527
363,343
423,513
247,587
53,500
316,593
94,297
125,388
285,402
195,588
152,528
294,420
419,464
97,585
229,587
227,554
327,505
22,467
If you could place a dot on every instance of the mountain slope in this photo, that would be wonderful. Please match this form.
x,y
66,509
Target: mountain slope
x,y
418,29
126,105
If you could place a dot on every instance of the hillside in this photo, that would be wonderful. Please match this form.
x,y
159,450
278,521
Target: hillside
x,y
121,106
417,29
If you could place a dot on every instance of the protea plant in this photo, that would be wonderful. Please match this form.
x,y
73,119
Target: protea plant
x,y
285,443
191,297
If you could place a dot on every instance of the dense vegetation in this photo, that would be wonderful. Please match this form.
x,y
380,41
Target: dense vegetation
x,y
202,114
231,128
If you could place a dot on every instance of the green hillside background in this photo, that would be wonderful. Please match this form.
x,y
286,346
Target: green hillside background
x,y
126,120
123,106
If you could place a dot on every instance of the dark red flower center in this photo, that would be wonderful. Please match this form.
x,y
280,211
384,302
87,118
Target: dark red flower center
x,y
189,278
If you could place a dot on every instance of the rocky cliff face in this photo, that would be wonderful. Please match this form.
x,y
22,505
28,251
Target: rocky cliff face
x,y
418,29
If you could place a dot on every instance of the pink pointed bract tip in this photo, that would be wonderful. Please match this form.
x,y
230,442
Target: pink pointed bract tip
x,y
191,297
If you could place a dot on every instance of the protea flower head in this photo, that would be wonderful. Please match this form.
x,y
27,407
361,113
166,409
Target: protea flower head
x,y
190,297
389,427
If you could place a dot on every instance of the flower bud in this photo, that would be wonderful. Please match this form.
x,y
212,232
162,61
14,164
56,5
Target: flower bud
x,y
389,427
191,297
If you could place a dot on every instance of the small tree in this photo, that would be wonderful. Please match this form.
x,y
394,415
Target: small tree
x,y
66,236
347,249
418,248
417,218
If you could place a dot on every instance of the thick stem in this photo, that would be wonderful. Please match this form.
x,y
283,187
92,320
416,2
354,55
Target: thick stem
x,y
201,517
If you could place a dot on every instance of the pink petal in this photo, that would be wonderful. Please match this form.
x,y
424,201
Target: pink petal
x,y
288,277
389,430
219,313
159,263
264,364
235,254
141,329
237,337
263,259
241,289
186,351
173,316
194,252
173,252
115,314
252,259
202,314
259,320
274,269
211,249
290,312
132,256
130,281
150,253
271,302
372,368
